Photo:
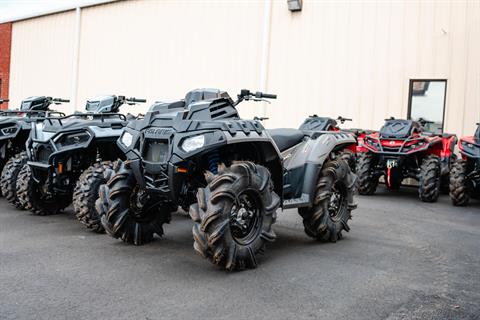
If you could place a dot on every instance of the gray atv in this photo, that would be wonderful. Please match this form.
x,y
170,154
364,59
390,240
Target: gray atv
x,y
15,127
70,157
231,174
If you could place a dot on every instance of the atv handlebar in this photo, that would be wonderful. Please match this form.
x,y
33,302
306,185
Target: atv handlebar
x,y
60,100
261,95
247,95
136,100
260,118
342,119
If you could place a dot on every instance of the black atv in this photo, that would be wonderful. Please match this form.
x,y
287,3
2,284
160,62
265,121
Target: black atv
x,y
316,123
232,174
71,156
15,127
465,173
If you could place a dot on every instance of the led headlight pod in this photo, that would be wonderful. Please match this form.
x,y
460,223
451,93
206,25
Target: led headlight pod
x,y
193,143
126,139
9,130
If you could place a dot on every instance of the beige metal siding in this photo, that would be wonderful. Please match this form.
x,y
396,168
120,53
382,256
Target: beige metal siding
x,y
355,59
41,58
350,58
161,49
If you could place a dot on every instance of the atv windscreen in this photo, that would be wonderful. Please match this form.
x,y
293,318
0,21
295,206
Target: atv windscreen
x,y
34,103
399,129
100,104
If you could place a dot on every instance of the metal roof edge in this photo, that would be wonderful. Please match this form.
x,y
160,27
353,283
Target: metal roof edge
x,y
42,13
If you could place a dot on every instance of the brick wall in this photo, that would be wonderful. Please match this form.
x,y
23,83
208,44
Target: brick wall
x,y
5,46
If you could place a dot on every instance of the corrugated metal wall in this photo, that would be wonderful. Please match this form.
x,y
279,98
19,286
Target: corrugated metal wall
x,y
355,59
41,58
349,58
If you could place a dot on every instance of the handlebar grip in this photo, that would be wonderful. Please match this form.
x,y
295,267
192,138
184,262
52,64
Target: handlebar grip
x,y
4,100
137,100
269,96
61,100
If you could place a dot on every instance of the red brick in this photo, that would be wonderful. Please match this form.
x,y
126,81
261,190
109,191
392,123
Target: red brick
x,y
5,50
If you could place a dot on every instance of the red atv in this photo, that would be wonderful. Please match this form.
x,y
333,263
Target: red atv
x,y
402,149
465,173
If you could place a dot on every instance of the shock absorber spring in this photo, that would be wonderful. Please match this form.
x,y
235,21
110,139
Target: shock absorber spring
x,y
213,160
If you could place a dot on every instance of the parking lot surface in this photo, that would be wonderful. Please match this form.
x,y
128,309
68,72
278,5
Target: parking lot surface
x,y
403,259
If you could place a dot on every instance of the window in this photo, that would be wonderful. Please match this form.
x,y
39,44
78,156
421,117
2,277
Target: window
x,y
426,102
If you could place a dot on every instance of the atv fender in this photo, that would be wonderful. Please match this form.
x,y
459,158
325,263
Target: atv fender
x,y
306,160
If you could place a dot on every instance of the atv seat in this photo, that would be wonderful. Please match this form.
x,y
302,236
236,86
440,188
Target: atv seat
x,y
399,129
286,138
447,135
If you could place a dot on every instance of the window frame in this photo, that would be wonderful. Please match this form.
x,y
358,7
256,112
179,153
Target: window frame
x,y
410,96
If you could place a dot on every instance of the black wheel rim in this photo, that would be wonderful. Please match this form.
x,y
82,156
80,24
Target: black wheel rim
x,y
246,217
338,202
140,204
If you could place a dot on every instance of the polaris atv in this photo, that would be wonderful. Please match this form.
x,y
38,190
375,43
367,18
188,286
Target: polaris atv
x,y
233,174
15,127
70,156
402,149
316,123
465,173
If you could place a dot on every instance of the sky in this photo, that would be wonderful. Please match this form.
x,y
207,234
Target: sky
x,y
11,9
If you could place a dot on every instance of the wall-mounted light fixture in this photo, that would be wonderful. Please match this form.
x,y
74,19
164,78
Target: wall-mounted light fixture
x,y
294,5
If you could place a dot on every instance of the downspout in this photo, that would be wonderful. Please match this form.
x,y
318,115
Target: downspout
x,y
75,58
267,17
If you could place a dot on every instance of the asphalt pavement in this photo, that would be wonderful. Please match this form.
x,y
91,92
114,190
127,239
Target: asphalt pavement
x,y
402,259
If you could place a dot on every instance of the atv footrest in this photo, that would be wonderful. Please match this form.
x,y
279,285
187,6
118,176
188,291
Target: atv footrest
x,y
303,201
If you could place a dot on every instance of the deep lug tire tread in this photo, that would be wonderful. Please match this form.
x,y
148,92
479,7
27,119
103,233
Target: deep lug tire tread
x,y
429,179
118,220
459,191
212,235
316,219
30,197
366,183
86,193
8,181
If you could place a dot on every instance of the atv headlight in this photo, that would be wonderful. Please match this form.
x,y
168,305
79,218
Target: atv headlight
x,y
77,139
126,139
9,130
193,143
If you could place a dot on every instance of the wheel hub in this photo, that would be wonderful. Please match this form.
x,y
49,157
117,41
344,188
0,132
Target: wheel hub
x,y
245,217
337,202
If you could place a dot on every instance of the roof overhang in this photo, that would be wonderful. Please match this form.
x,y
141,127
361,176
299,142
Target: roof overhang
x,y
59,9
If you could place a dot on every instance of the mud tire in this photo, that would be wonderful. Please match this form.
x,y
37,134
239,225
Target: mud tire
x,y
86,193
120,218
459,185
367,183
215,237
429,179
318,220
8,181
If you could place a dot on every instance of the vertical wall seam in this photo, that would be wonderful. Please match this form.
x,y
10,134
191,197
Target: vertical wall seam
x,y
449,75
467,58
267,21
75,58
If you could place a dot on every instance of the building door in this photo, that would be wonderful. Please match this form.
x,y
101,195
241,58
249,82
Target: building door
x,y
426,101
